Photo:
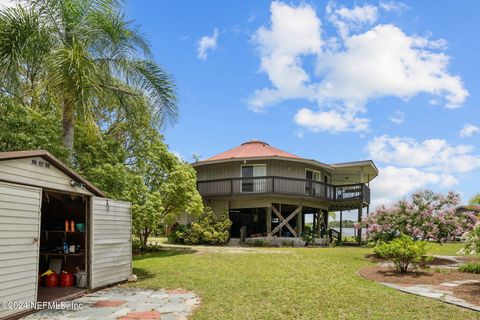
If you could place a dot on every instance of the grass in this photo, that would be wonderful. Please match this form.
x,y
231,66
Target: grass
x,y
446,249
285,283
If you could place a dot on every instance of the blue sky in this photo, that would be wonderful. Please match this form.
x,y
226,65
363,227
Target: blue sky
x,y
396,82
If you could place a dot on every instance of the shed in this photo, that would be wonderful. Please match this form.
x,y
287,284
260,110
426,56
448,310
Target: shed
x,y
43,205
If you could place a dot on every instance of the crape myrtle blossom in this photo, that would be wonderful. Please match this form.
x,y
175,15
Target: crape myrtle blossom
x,y
427,215
472,241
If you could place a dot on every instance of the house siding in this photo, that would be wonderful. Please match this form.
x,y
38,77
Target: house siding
x,y
280,168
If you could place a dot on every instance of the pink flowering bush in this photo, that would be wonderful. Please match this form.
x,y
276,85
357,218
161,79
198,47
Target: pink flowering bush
x,y
427,215
472,241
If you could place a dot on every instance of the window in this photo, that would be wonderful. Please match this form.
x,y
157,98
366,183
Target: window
x,y
255,172
313,175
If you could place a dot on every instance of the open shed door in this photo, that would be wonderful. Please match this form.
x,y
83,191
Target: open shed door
x,y
20,209
110,242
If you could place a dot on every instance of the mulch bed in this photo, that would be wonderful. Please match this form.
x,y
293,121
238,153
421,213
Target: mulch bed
x,y
469,292
386,274
435,262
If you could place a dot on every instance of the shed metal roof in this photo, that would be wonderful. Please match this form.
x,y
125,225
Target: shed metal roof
x,y
54,161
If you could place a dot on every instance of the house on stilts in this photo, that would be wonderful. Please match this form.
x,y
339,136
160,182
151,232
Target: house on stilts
x,y
272,194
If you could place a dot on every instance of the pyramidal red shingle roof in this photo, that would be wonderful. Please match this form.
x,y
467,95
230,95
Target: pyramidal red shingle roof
x,y
252,149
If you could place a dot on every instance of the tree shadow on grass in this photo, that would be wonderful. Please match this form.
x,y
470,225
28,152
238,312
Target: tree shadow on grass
x,y
145,273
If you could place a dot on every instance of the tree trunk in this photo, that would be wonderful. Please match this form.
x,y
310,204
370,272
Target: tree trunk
x,y
146,234
68,123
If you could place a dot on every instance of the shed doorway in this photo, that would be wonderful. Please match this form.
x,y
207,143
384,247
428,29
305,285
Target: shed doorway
x,y
63,245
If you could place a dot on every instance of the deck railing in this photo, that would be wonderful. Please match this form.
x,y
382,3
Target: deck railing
x,y
283,186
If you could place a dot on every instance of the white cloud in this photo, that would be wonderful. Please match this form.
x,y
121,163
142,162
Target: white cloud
x,y
469,130
350,70
410,166
398,117
384,61
207,43
6,3
434,155
393,6
330,121
294,32
345,19
395,183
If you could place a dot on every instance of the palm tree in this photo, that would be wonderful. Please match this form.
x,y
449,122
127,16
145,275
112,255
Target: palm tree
x,y
85,57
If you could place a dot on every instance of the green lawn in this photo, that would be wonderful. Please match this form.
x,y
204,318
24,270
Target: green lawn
x,y
447,249
300,283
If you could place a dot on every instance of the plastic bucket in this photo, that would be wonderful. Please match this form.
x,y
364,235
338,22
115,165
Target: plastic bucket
x,y
81,279
80,227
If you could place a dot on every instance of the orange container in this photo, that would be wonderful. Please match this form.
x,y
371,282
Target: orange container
x,y
72,226
66,225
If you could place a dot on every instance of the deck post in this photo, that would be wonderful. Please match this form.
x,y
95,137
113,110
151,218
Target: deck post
x,y
268,219
299,222
359,230
341,219
319,222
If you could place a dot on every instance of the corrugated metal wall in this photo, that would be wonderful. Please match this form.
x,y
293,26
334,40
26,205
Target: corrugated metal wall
x,y
280,168
110,246
22,171
19,240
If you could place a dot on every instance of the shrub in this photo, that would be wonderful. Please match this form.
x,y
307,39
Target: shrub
x,y
287,243
210,229
427,215
472,241
173,235
470,267
260,243
309,235
138,247
405,253
350,239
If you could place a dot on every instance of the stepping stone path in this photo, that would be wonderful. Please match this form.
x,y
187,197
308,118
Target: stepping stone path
x,y
440,292
127,304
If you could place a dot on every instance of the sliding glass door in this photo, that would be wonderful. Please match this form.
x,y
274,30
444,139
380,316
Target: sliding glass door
x,y
255,172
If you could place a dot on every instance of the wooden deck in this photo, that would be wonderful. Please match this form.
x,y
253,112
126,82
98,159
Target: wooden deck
x,y
341,197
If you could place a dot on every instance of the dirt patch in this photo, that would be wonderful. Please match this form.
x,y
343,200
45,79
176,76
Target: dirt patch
x,y
469,292
385,274
435,262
